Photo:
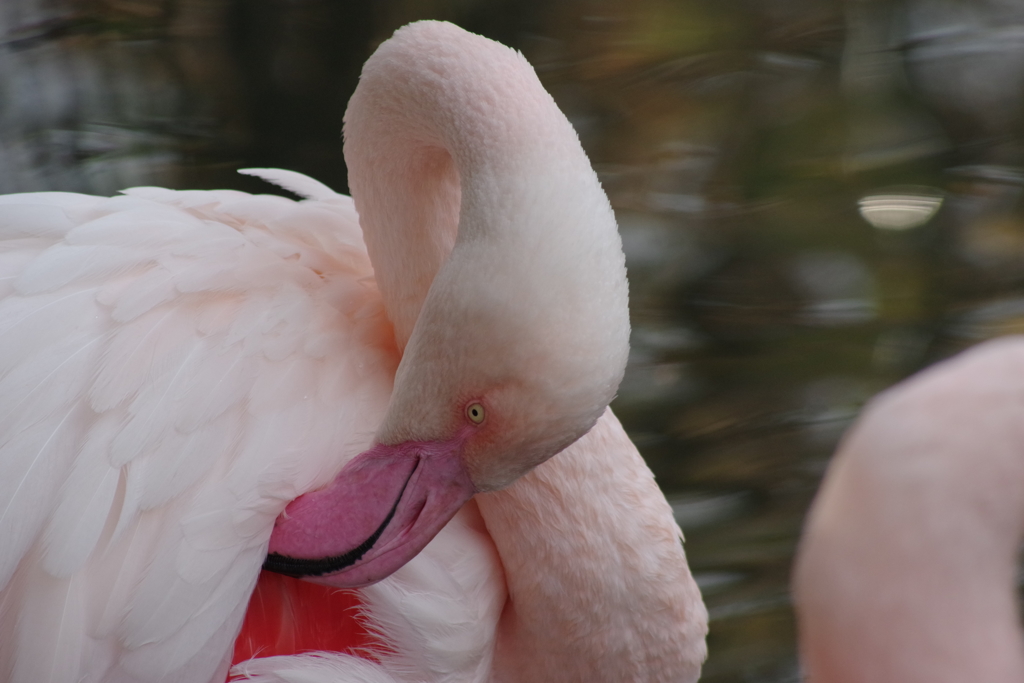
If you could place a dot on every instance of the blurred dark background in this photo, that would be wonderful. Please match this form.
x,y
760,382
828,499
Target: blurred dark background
x,y
817,198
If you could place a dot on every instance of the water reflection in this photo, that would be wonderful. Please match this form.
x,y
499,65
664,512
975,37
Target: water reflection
x,y
899,211
747,148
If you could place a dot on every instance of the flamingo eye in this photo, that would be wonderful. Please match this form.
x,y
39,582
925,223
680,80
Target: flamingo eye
x,y
475,413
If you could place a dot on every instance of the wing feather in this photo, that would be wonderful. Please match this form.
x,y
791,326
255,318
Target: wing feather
x,y
84,506
300,184
174,368
33,220
33,465
56,618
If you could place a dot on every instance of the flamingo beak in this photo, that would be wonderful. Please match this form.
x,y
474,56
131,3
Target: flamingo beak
x,y
378,513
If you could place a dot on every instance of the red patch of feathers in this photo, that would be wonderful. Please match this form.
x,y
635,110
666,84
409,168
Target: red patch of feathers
x,y
287,616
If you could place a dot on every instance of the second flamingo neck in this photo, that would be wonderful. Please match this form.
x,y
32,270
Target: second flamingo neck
x,y
908,570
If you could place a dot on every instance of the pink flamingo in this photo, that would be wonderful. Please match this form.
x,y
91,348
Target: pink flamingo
x,y
175,367
907,572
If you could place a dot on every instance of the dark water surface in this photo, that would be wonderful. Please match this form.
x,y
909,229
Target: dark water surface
x,y
816,198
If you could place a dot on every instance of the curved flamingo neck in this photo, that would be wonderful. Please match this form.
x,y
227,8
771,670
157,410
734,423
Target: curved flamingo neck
x,y
598,585
494,246
908,568
440,146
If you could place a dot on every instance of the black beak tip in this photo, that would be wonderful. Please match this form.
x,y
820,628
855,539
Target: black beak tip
x,y
289,566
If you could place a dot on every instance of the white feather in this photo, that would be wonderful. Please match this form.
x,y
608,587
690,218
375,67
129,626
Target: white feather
x,y
33,220
208,356
300,184
56,617
33,464
443,607
85,505
64,263
320,667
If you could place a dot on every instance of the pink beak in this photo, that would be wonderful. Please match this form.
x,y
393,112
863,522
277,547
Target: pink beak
x,y
377,514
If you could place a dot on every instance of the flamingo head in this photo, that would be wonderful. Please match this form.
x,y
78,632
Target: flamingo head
x,y
473,409
520,341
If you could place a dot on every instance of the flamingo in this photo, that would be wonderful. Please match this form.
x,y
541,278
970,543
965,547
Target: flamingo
x,y
193,384
907,570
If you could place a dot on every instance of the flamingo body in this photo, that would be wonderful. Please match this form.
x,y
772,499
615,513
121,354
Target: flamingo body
x,y
180,336
907,570
190,378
